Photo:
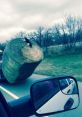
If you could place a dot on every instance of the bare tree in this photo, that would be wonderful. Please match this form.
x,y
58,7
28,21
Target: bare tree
x,y
72,26
71,30
79,30
21,34
46,41
40,35
56,34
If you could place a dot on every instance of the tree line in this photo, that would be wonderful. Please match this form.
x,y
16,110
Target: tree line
x,y
68,34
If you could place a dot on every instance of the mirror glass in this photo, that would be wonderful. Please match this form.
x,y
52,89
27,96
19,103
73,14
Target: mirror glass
x,y
50,96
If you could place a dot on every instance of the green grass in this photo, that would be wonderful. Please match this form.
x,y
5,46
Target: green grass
x,y
70,64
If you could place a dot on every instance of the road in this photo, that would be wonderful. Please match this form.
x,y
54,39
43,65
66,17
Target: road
x,y
15,91
12,92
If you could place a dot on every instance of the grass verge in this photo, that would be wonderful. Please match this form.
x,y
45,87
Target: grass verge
x,y
70,64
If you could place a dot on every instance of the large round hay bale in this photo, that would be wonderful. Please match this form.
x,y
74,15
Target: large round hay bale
x,y
20,58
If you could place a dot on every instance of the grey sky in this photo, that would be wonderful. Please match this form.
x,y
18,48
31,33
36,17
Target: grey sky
x,y
26,15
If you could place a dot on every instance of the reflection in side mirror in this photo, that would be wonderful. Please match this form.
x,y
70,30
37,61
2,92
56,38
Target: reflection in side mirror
x,y
68,86
54,95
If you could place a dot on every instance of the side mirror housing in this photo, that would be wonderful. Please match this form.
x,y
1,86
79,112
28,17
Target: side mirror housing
x,y
55,95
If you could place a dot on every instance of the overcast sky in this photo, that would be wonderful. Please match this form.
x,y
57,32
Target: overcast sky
x,y
27,15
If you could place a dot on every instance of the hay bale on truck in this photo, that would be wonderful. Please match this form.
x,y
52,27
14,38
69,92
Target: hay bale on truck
x,y
20,58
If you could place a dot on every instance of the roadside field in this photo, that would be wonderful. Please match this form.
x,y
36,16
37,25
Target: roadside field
x,y
70,64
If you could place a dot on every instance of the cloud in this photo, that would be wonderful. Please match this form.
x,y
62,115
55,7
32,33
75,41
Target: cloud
x,y
18,15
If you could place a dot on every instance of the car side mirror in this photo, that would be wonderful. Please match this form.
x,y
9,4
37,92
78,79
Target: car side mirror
x,y
55,95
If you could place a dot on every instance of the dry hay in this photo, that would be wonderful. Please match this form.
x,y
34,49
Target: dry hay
x,y
20,59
